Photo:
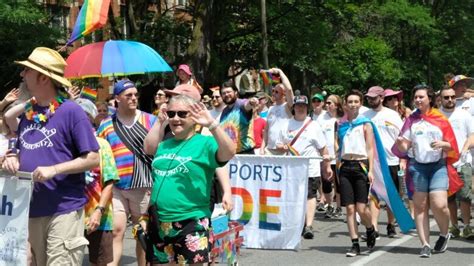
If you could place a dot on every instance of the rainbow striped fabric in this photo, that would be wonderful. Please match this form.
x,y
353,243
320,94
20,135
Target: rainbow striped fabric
x,y
436,118
95,182
123,156
89,93
92,16
383,185
269,79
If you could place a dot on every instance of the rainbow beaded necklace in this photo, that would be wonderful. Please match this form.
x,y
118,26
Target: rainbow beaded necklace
x,y
30,114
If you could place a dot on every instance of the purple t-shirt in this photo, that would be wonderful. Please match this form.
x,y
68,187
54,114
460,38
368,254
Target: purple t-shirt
x,y
65,136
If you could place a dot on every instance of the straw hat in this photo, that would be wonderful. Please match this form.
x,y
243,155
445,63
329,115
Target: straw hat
x,y
48,62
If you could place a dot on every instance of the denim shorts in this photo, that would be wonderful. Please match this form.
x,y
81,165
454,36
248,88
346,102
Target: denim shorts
x,y
428,177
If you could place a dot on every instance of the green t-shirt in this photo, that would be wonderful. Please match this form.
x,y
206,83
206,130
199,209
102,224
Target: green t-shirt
x,y
182,172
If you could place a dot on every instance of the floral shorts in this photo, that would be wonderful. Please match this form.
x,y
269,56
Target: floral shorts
x,y
183,242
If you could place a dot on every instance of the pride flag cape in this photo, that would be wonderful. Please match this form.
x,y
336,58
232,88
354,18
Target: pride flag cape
x,y
93,15
436,118
383,184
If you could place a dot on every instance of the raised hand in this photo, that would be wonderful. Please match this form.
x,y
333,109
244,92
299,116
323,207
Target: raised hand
x,y
201,115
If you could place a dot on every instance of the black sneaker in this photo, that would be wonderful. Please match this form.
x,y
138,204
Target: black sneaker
x,y
337,213
364,236
322,207
391,232
354,251
329,212
371,238
442,244
308,232
425,252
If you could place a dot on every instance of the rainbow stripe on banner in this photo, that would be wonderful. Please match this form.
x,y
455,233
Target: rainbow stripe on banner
x,y
92,16
89,93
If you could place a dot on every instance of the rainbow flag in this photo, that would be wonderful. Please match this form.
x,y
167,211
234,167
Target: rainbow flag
x,y
382,186
436,118
269,79
89,93
93,15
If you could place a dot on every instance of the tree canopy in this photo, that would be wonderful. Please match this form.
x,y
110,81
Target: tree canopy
x,y
329,44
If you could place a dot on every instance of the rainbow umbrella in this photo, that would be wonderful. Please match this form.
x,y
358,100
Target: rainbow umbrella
x,y
114,58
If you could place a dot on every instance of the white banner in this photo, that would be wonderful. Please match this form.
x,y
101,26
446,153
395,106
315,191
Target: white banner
x,y
14,209
270,199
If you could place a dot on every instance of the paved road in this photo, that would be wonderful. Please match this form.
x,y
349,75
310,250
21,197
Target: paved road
x,y
331,242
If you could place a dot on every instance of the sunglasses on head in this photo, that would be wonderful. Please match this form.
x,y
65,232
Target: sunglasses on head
x,y
448,97
181,114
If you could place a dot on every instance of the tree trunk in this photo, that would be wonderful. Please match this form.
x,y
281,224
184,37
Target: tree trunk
x,y
199,49
264,33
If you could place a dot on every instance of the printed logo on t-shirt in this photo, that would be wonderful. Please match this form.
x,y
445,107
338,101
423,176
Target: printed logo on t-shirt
x,y
38,137
178,163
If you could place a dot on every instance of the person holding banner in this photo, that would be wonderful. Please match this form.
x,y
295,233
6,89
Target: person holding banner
x,y
356,153
304,137
56,143
428,141
183,169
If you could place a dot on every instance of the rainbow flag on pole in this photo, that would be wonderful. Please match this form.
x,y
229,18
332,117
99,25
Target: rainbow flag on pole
x,y
89,93
92,16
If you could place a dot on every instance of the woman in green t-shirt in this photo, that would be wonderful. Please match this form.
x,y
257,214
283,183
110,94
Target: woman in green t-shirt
x,y
183,170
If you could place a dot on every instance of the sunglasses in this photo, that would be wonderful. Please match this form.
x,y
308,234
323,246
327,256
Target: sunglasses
x,y
448,97
216,97
389,98
160,95
316,101
181,114
328,103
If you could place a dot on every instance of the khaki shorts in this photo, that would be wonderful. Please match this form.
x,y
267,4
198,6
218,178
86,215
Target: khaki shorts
x,y
133,201
465,193
57,240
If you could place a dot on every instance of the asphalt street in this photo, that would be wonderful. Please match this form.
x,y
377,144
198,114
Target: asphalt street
x,y
332,241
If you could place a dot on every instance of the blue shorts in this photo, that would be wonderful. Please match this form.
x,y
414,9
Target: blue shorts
x,y
428,177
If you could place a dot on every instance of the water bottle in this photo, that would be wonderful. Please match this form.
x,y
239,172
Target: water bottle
x,y
140,235
401,178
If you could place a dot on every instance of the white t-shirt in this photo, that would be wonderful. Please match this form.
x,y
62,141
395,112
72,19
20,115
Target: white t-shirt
x,y
354,142
466,104
277,122
308,143
328,126
316,117
388,124
422,134
462,124
216,114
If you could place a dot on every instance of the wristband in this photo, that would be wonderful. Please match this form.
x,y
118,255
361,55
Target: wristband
x,y
101,209
213,125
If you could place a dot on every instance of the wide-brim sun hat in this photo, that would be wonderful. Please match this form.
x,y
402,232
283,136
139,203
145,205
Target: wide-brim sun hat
x,y
49,63
461,79
390,92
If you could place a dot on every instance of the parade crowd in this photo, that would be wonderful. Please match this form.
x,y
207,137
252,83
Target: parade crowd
x,y
98,165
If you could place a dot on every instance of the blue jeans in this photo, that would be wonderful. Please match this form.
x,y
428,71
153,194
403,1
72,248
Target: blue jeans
x,y
428,177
